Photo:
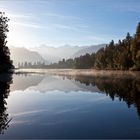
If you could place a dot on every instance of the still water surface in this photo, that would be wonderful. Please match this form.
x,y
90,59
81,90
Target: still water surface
x,y
51,106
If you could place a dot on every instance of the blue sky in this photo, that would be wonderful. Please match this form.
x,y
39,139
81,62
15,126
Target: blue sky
x,y
74,22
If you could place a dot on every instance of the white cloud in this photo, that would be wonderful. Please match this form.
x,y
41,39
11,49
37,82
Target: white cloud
x,y
11,14
19,15
61,26
61,16
29,25
70,27
47,27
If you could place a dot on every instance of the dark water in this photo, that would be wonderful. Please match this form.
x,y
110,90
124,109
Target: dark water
x,y
45,106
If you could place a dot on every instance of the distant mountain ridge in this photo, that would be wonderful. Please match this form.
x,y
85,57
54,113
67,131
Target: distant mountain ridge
x,y
47,54
22,55
53,54
88,49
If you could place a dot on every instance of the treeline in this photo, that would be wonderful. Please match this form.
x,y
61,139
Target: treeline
x,y
31,65
124,55
83,62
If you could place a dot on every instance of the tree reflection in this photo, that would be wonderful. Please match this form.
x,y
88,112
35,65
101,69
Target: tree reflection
x,y
125,88
5,81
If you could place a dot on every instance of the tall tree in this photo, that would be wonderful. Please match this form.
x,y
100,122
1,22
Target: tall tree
x,y
5,61
109,52
100,61
135,48
138,32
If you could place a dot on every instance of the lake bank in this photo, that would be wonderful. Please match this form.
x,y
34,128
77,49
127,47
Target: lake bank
x,y
81,72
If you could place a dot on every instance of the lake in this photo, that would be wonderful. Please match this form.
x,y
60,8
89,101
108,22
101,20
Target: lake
x,y
43,105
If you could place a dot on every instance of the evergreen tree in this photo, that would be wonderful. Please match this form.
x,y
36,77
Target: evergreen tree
x,y
5,62
100,62
135,47
109,52
138,33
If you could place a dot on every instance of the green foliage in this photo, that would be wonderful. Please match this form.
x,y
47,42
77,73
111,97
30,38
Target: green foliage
x,y
124,55
5,62
85,61
100,62
135,48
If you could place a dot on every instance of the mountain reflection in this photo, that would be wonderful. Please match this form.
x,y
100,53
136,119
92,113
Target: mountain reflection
x,y
5,81
126,89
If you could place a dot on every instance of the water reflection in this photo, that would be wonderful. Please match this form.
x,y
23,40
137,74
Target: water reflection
x,y
56,106
24,81
126,89
5,81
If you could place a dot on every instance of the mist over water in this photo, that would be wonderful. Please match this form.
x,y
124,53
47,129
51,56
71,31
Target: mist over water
x,y
42,105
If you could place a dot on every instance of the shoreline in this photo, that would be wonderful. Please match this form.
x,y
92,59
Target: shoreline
x,y
80,72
